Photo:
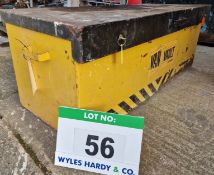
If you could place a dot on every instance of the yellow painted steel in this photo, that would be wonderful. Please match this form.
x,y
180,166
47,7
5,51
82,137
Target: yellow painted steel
x,y
101,84
55,78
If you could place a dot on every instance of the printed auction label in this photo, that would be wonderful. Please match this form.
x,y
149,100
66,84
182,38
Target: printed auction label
x,y
99,142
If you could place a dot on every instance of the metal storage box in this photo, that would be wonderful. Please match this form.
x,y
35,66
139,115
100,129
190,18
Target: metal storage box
x,y
100,58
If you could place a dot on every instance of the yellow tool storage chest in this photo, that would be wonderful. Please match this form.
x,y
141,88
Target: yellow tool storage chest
x,y
101,58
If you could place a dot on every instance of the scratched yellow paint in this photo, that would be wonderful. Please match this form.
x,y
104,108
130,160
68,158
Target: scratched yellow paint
x,y
56,77
100,84
107,81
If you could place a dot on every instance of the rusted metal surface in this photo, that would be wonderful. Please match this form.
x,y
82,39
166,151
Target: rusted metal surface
x,y
94,31
206,38
207,32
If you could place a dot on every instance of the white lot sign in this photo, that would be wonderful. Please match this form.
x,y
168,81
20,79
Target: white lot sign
x,y
99,142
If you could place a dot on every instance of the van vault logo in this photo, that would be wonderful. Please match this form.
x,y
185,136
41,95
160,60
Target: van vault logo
x,y
169,53
155,59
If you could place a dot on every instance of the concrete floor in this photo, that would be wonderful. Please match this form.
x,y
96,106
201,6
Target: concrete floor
x,y
178,135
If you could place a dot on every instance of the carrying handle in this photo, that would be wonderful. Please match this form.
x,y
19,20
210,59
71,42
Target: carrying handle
x,y
29,56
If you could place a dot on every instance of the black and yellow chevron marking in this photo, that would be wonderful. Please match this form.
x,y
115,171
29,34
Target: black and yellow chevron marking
x,y
134,100
167,76
146,92
125,106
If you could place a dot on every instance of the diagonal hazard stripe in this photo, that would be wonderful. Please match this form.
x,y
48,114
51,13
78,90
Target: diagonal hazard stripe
x,y
139,95
158,80
152,88
164,78
144,93
156,85
135,99
119,110
149,92
112,111
167,76
130,103
125,106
